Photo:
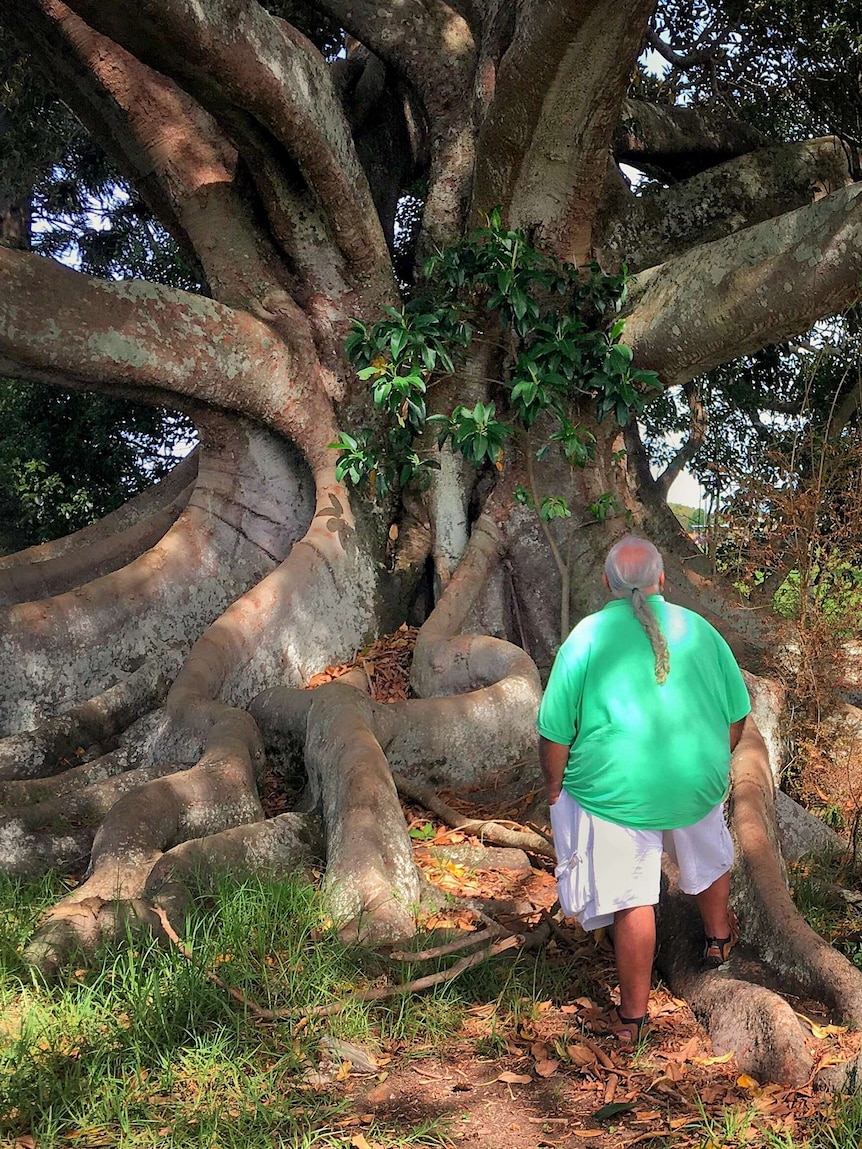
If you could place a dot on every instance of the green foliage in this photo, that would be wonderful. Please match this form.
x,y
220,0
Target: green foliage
x,y
69,458
605,504
561,328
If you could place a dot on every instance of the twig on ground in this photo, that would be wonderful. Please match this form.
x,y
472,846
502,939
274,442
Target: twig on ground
x,y
373,993
490,831
238,996
472,939
378,993
601,1057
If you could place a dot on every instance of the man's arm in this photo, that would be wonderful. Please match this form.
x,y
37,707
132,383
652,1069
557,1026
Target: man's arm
x,y
736,733
553,757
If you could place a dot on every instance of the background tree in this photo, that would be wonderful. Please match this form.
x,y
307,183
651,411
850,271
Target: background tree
x,y
275,146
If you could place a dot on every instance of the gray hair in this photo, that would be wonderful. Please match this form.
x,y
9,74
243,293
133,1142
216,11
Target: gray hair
x,y
632,565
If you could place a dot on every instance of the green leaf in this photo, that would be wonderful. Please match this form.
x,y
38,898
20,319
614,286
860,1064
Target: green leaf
x,y
612,1109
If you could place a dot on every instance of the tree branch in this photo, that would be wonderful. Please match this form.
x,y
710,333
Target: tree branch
x,y
142,335
431,47
696,436
741,293
677,59
680,141
424,41
726,198
253,71
175,150
543,152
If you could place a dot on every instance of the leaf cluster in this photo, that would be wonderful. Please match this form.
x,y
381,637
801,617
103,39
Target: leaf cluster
x,y
560,331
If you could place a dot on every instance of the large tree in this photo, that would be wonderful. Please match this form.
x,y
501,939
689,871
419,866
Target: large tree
x,y
149,662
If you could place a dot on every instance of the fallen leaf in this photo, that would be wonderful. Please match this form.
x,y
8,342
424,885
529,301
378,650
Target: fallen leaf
x,y
687,1051
725,1057
746,1082
588,1132
343,1071
514,1078
538,1050
359,1142
611,1110
546,1067
580,1054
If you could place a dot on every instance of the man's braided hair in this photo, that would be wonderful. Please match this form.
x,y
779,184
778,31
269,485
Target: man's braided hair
x,y
631,565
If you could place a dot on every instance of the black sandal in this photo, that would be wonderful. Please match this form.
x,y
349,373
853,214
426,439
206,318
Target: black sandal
x,y
717,950
627,1030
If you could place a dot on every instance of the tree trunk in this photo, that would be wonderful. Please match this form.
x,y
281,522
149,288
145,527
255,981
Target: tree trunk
x,y
148,669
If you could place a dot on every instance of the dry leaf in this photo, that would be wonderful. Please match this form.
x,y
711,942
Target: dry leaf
x,y
588,1132
343,1070
514,1078
545,1067
725,1057
674,1071
580,1054
687,1051
539,1051
359,1142
678,1122
746,1082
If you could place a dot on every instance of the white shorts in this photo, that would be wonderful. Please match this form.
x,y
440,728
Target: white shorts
x,y
603,867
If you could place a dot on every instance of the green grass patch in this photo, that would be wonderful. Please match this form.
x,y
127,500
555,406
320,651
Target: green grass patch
x,y
141,1049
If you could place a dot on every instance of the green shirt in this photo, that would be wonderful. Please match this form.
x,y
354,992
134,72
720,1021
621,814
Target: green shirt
x,y
644,755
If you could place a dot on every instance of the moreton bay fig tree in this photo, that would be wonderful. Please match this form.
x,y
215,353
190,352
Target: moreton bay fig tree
x,y
421,308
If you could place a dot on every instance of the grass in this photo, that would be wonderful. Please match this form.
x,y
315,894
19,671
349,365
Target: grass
x,y
140,1049
815,883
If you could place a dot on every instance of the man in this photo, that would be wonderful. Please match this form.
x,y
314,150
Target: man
x,y
643,708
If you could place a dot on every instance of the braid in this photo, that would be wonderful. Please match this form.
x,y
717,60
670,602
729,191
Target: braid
x,y
649,622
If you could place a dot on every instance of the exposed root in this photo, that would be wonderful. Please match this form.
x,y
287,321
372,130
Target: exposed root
x,y
488,831
371,879
91,558
750,1018
380,993
215,795
275,848
61,650
57,742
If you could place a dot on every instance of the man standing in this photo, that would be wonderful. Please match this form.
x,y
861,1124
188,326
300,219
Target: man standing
x,y
642,710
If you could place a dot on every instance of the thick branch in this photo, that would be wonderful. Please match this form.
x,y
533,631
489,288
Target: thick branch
x,y
424,41
725,199
736,295
680,141
432,48
544,148
240,63
145,335
172,148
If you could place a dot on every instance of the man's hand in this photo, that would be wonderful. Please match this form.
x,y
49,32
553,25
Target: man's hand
x,y
553,758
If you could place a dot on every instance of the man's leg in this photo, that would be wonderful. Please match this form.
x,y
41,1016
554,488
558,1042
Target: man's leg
x,y
634,945
712,903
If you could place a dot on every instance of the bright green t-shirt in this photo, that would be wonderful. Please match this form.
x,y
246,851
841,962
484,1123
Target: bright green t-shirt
x,y
644,755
